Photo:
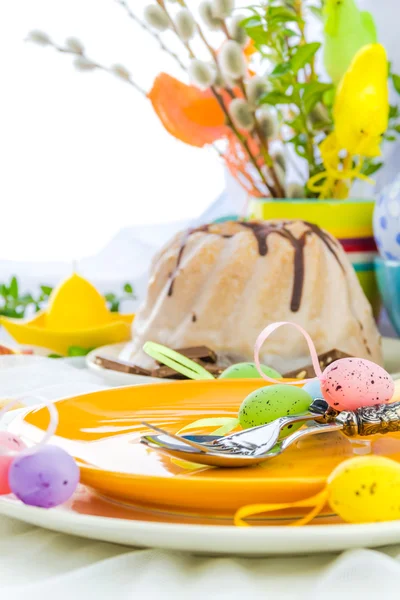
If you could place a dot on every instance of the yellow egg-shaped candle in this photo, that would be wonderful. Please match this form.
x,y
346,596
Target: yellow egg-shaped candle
x,y
75,304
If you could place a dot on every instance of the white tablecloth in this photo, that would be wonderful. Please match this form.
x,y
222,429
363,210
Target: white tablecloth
x,y
36,564
39,565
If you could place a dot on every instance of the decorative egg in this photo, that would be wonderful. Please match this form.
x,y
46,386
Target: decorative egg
x,y
248,371
8,442
365,489
350,383
387,221
314,389
271,402
46,478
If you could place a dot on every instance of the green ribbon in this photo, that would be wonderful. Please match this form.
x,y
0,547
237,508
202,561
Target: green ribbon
x,y
176,361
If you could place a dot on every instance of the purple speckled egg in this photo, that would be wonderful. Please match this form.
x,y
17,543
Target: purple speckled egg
x,y
8,443
45,478
350,383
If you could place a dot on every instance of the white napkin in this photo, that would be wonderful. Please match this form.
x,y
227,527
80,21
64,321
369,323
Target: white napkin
x,y
50,378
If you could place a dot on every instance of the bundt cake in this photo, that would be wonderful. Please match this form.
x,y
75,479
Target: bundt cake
x,y
221,284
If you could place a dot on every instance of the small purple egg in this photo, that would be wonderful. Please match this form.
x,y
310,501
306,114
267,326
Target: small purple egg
x,y
45,478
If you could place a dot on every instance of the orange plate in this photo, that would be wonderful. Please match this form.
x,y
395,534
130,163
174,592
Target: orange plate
x,y
102,430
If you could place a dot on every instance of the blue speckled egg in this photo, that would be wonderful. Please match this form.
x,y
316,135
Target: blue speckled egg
x,y
387,221
314,389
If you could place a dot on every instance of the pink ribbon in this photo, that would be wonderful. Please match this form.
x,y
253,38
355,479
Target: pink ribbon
x,y
52,428
313,352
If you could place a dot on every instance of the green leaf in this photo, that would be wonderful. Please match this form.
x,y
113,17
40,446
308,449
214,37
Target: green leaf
x,y
371,168
46,289
313,93
128,288
257,34
13,289
390,138
281,69
275,98
281,14
54,355
287,32
396,82
397,128
394,112
78,351
304,55
317,12
250,22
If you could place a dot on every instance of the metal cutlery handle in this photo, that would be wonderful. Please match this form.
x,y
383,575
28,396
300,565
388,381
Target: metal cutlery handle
x,y
370,420
303,433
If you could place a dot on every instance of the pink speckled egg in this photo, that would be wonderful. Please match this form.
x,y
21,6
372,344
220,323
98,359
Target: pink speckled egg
x,y
8,442
350,383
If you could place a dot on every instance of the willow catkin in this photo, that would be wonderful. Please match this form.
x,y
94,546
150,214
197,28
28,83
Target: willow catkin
x,y
280,173
267,123
256,88
232,61
156,17
39,37
242,114
121,72
221,9
280,159
74,45
185,24
201,73
81,63
236,31
318,114
206,14
296,191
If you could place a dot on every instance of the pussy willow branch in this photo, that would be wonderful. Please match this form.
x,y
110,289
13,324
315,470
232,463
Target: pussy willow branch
x,y
278,190
161,3
219,97
128,79
150,31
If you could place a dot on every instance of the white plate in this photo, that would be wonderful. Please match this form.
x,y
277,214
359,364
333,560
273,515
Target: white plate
x,y
391,352
117,378
208,539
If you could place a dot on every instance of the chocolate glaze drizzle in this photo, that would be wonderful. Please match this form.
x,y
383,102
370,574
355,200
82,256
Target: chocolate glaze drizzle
x,y
261,231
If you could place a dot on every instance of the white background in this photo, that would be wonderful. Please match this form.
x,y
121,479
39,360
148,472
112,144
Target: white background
x,y
82,154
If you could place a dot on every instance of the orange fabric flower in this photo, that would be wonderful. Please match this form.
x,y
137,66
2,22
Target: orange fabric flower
x,y
249,49
187,113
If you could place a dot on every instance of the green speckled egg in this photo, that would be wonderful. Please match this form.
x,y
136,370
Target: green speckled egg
x,y
248,371
269,403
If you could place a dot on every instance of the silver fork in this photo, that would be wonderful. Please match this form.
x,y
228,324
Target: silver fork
x,y
255,441
182,450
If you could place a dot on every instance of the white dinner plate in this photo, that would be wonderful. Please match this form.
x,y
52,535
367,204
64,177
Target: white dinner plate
x,y
206,539
391,352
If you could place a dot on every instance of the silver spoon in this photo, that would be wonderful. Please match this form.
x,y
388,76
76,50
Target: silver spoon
x,y
182,450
